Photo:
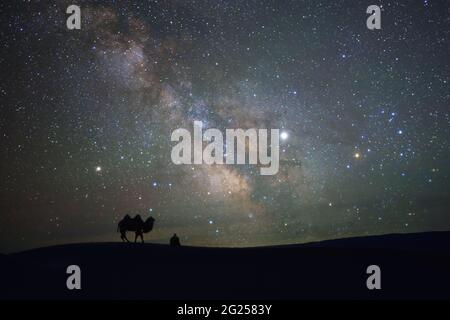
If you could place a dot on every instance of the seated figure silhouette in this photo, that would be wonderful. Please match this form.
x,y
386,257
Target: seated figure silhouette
x,y
175,241
135,224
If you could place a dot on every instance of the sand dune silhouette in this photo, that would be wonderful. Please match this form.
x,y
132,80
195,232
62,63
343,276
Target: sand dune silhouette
x,y
413,266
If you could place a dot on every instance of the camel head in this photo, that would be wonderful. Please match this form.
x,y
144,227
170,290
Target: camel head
x,y
148,225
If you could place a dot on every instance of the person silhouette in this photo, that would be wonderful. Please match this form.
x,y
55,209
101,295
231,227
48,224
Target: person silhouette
x,y
175,241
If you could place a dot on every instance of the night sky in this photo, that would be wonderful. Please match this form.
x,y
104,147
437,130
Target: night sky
x,y
87,117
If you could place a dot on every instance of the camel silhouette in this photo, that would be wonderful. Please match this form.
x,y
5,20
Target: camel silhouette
x,y
135,224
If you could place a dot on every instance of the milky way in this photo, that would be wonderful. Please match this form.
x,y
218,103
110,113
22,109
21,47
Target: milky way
x,y
87,117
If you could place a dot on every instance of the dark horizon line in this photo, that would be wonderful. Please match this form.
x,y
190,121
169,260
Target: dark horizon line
x,y
287,245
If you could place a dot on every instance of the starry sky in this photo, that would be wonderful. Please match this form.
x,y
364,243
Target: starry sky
x,y
87,117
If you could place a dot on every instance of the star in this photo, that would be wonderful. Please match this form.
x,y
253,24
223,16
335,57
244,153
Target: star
x,y
90,121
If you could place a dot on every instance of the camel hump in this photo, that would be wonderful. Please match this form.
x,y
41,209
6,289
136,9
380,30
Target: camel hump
x,y
138,218
126,218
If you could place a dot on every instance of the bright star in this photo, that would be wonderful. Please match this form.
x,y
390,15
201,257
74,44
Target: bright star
x,y
284,135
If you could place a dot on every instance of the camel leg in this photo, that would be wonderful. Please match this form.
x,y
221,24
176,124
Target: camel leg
x,y
123,235
135,237
139,234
